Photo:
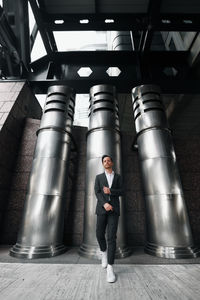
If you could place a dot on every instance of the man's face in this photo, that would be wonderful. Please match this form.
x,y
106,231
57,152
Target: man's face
x,y
107,162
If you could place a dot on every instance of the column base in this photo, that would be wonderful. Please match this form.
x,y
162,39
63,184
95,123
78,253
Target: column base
x,y
172,252
94,251
32,252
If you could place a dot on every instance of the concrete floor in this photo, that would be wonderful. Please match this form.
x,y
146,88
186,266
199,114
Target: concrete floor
x,y
70,276
88,281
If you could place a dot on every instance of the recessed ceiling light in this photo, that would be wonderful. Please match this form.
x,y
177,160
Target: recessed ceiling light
x,y
187,21
84,21
59,21
109,21
166,21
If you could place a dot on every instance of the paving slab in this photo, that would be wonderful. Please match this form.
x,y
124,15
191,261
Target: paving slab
x,y
88,281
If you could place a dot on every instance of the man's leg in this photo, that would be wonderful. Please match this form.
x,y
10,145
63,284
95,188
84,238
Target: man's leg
x,y
100,231
111,237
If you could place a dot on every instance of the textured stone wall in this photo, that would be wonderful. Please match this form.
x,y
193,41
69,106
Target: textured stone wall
x,y
74,214
134,201
18,184
16,103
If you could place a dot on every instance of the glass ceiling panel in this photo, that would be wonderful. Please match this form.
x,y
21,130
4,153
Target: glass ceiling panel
x,y
80,40
38,48
31,18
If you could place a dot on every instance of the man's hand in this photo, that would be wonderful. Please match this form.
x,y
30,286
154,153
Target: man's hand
x,y
106,190
108,207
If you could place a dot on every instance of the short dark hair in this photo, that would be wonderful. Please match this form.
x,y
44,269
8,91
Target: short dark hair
x,y
105,155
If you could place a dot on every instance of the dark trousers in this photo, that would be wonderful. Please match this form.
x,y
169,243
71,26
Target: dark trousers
x,y
110,222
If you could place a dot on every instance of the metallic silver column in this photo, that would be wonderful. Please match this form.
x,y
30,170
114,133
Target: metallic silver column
x,y
103,138
168,229
120,41
41,231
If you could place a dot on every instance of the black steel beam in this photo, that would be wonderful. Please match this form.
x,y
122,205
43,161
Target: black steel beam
x,y
50,70
82,86
106,58
96,22
23,33
17,16
52,40
33,36
7,28
164,22
159,68
147,34
49,43
96,6
48,30
9,46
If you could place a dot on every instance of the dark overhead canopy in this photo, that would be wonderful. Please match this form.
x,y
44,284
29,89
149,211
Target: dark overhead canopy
x,y
152,24
60,7
127,14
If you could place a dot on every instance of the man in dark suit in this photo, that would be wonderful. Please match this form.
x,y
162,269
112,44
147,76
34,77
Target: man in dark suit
x,y
108,188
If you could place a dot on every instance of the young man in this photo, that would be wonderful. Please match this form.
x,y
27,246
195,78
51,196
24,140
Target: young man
x,y
108,188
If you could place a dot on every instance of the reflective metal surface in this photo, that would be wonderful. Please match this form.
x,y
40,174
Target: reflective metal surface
x,y
103,138
41,231
120,40
168,229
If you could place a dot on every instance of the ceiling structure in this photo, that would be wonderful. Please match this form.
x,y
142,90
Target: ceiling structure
x,y
165,38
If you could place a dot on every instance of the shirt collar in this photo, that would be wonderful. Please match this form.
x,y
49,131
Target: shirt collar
x,y
112,173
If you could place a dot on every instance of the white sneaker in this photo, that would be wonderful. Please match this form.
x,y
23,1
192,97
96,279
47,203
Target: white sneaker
x,y
104,259
110,274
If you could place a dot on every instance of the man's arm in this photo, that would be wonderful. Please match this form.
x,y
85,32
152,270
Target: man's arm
x,y
119,190
100,197
98,192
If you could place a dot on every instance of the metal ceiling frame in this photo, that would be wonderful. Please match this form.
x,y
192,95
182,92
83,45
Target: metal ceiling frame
x,y
141,65
164,22
46,34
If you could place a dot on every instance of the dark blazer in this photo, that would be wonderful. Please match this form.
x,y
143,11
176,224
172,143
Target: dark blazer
x,y
116,191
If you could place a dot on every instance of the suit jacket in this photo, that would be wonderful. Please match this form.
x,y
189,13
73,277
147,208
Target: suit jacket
x,y
113,199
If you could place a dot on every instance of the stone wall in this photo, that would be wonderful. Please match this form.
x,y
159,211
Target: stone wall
x,y
16,103
74,214
134,201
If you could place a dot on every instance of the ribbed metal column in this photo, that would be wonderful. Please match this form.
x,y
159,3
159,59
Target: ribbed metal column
x,y
168,229
103,138
41,231
120,41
